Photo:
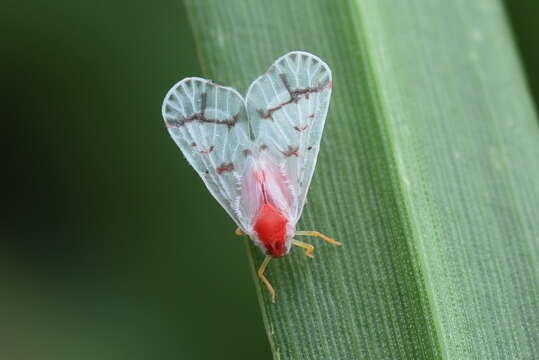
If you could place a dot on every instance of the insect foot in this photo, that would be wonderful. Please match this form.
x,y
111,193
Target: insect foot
x,y
308,247
317,234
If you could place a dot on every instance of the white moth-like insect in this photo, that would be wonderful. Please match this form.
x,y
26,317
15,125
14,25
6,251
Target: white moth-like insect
x,y
257,156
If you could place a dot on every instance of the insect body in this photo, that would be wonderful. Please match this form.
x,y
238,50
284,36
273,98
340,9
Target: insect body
x,y
257,156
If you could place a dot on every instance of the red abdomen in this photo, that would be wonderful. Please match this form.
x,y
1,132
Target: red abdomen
x,y
270,225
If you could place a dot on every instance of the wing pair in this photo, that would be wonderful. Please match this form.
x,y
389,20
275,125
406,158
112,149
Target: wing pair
x,y
283,113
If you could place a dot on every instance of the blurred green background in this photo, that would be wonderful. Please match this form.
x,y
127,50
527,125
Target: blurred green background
x,y
111,246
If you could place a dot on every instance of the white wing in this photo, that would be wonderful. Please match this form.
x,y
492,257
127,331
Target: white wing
x,y
209,125
287,107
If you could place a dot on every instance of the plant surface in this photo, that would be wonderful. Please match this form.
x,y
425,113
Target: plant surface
x,y
428,174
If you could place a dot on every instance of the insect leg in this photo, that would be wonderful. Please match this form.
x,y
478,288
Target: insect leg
x,y
308,247
239,232
317,234
260,273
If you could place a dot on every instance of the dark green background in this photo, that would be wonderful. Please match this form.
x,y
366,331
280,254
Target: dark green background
x,y
111,246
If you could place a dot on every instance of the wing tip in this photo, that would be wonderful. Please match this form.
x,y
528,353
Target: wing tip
x,y
189,80
294,53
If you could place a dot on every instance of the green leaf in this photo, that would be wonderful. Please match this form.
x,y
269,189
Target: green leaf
x,y
428,174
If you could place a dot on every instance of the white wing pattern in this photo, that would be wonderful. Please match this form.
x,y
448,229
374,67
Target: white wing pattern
x,y
287,108
209,125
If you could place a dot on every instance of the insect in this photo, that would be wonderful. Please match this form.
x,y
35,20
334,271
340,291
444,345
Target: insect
x,y
257,155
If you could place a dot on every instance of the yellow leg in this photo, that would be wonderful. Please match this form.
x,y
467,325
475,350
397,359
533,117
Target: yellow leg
x,y
264,279
308,247
239,232
317,234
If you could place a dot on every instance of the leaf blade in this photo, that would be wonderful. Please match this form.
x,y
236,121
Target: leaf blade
x,y
391,291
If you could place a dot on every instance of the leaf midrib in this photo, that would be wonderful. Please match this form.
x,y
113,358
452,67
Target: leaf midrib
x,y
398,187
